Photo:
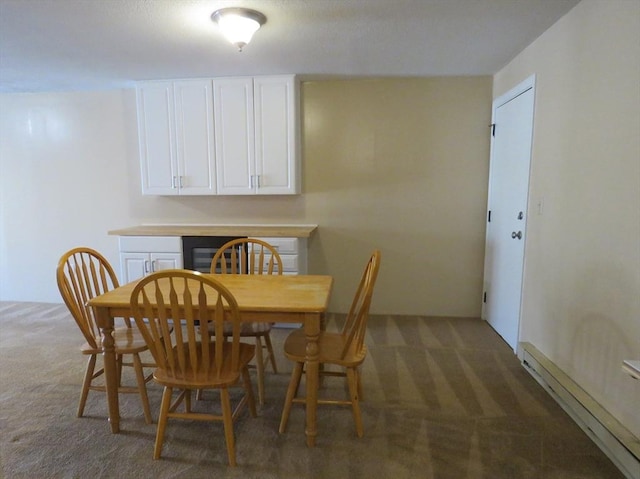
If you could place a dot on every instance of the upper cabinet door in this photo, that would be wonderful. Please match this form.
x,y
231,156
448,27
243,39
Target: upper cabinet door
x,y
156,131
175,123
235,150
195,154
276,120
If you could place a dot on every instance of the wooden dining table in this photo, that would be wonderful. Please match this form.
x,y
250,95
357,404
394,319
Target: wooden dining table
x,y
282,298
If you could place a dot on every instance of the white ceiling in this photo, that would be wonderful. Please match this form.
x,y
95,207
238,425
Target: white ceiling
x,y
48,45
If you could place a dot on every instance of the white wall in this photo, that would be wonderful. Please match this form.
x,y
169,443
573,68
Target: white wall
x,y
581,302
64,169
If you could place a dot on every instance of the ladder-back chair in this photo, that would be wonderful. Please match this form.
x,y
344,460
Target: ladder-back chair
x,y
186,301
252,256
83,274
345,349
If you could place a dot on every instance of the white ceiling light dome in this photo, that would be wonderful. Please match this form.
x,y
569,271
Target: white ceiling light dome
x,y
238,24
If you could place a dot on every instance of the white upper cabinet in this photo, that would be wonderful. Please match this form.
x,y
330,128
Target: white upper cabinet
x,y
225,136
256,135
176,137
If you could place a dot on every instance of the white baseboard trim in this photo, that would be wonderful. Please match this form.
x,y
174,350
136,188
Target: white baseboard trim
x,y
615,440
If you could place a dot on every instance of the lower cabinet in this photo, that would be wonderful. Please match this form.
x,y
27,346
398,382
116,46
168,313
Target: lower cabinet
x,y
292,251
141,255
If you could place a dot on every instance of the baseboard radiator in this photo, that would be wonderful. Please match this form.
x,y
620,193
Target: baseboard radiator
x,y
615,440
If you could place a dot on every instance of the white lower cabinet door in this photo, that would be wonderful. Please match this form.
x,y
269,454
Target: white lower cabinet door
x,y
134,266
160,261
137,265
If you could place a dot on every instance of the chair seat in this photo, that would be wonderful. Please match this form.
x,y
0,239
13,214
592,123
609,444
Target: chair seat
x,y
330,345
204,379
127,341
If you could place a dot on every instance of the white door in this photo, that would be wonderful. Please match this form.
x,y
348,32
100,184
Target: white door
x,y
507,210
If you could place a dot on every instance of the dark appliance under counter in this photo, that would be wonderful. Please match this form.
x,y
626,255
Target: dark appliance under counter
x,y
198,251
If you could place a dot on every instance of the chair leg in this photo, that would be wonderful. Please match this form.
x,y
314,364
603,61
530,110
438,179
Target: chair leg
x,y
119,368
88,375
162,421
359,378
352,380
142,387
228,425
249,391
292,392
272,356
187,400
260,370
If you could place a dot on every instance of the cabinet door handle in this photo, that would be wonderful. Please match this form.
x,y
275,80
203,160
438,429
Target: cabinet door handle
x,y
146,266
173,182
153,266
257,181
180,181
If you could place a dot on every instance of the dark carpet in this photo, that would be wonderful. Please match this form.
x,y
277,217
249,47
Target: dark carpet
x,y
444,398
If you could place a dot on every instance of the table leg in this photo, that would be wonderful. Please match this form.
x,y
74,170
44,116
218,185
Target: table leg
x,y
105,323
312,332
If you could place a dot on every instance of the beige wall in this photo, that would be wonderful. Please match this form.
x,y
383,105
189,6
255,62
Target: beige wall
x,y
395,164
400,165
581,303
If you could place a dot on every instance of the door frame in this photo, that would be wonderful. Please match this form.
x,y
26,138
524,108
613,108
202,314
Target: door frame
x,y
524,86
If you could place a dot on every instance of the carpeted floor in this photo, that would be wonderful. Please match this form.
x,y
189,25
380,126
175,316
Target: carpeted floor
x,y
443,399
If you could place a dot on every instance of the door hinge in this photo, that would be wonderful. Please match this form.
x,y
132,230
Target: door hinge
x,y
484,297
493,129
489,217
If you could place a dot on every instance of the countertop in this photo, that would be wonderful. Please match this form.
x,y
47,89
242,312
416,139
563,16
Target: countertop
x,y
292,231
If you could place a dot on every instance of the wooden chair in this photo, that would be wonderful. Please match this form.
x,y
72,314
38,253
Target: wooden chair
x,y
345,349
189,360
82,274
252,256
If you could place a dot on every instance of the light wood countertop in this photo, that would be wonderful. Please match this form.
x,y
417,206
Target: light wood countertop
x,y
292,231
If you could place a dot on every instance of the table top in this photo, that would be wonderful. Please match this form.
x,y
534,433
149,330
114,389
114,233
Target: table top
x,y
257,293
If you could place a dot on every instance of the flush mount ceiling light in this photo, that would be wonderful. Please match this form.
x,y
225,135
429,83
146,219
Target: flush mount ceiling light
x,y
238,24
